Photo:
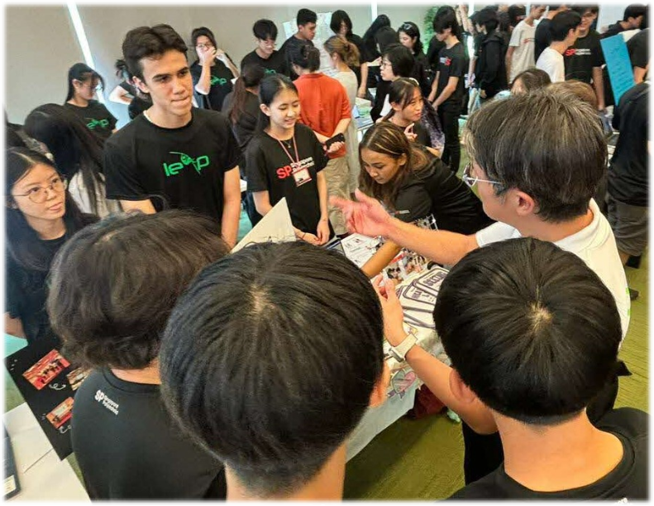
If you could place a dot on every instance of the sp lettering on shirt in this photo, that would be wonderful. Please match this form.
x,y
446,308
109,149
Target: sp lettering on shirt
x,y
174,168
102,398
446,61
579,51
287,170
570,52
93,123
218,80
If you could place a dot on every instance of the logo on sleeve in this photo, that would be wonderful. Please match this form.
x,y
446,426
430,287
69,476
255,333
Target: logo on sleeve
x,y
199,163
218,80
102,123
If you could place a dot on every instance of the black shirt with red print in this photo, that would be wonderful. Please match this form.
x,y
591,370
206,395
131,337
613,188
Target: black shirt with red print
x,y
581,58
452,62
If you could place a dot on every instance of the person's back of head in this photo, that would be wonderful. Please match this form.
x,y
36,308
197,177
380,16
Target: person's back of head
x,y
385,37
583,91
380,21
305,56
562,23
114,284
339,17
488,19
264,29
516,14
548,144
251,77
347,51
530,329
530,80
305,16
150,42
401,59
270,360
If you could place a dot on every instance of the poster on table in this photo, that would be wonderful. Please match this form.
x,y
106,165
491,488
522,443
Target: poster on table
x,y
619,65
275,226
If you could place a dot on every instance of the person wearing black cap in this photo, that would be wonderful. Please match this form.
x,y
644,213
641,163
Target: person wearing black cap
x,y
83,82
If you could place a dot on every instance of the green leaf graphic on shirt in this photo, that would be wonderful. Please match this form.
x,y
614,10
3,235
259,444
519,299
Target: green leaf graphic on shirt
x,y
174,168
104,123
220,80
270,71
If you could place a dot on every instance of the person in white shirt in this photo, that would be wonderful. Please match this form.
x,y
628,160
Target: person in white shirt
x,y
520,54
564,31
537,160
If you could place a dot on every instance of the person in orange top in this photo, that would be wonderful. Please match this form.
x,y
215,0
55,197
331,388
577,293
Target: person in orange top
x,y
325,109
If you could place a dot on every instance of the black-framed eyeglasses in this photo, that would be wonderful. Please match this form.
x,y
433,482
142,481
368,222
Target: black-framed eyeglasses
x,y
472,181
39,194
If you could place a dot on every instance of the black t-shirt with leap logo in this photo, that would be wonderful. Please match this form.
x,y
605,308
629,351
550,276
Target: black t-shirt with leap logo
x,y
627,481
128,446
269,169
582,57
220,85
452,62
96,117
275,64
181,167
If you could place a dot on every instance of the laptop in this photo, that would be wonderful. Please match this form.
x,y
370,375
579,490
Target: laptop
x,y
9,486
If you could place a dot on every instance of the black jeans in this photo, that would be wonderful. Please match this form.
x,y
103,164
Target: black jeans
x,y
449,118
484,453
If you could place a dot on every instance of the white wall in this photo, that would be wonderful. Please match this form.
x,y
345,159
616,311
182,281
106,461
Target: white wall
x,y
40,48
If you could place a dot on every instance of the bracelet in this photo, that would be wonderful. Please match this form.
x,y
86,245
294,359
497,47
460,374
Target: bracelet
x,y
302,238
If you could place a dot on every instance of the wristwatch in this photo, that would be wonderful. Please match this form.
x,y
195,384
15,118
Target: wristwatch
x,y
399,352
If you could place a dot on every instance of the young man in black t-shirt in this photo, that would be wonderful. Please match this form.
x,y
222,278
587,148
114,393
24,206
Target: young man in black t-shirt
x,y
447,93
583,61
111,293
273,62
628,186
533,336
306,31
633,17
638,47
173,156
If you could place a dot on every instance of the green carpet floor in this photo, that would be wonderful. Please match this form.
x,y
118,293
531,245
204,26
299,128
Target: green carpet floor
x,y
424,459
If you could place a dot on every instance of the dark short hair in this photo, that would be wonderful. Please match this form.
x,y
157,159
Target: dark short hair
x,y
446,18
532,79
150,42
581,8
306,56
115,283
264,29
270,358
487,18
562,23
338,17
514,12
401,59
530,328
203,31
305,16
634,11
548,144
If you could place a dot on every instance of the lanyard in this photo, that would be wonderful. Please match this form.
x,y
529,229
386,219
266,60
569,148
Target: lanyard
x,y
297,157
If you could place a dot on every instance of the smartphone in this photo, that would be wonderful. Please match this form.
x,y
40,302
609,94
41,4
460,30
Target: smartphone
x,y
336,138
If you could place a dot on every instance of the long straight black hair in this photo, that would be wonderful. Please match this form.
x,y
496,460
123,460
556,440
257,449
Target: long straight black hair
x,y
81,72
250,77
73,146
23,243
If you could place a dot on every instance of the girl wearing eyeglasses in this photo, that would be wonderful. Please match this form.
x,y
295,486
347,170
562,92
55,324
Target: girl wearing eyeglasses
x,y
40,216
212,72
83,83
415,186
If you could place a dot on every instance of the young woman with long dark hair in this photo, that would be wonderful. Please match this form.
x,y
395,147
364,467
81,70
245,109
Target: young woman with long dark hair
x,y
83,83
414,185
77,154
40,216
286,160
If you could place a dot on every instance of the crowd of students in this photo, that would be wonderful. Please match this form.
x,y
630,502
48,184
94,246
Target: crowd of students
x,y
222,373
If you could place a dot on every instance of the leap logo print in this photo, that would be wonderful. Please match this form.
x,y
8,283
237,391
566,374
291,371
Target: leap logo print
x,y
104,123
218,80
270,71
198,163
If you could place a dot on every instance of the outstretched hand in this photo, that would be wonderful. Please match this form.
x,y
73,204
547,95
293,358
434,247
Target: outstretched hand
x,y
366,216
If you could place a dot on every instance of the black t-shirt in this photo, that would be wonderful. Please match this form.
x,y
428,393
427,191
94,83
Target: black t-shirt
x,y
96,117
183,167
9,138
422,135
437,191
542,37
612,30
581,58
269,169
358,42
638,47
433,51
220,85
128,447
452,63
629,480
275,64
628,176
27,290
291,43
246,123
517,13
138,104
